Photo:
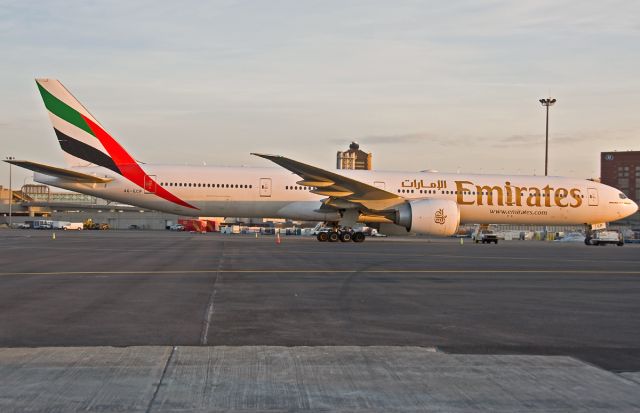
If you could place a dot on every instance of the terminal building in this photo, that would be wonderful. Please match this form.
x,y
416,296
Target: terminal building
x,y
34,202
621,170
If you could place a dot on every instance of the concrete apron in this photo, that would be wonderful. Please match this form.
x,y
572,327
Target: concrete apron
x,y
262,378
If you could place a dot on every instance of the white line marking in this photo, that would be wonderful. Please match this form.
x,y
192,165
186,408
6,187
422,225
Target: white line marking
x,y
326,271
204,337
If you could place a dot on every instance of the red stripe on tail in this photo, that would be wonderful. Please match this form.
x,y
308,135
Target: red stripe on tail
x,y
128,166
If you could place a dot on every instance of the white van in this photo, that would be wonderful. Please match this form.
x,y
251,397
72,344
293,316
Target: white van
x,y
73,226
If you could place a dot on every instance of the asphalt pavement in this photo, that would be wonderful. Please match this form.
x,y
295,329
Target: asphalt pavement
x,y
136,288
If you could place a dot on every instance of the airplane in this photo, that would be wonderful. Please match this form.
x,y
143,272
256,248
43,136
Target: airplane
x,y
426,202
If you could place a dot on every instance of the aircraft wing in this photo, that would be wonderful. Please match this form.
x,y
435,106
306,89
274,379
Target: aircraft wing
x,y
60,172
337,187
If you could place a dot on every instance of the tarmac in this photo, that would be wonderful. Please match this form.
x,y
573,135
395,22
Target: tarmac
x,y
166,321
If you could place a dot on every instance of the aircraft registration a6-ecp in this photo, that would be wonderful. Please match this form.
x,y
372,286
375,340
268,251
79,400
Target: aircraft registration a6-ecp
x,y
422,202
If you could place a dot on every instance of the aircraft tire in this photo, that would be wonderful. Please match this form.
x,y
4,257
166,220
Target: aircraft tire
x,y
358,237
345,237
333,236
323,236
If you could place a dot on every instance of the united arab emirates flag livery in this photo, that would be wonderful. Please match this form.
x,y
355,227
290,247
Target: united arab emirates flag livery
x,y
81,136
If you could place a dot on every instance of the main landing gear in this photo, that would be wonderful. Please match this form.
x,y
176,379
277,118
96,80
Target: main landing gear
x,y
340,234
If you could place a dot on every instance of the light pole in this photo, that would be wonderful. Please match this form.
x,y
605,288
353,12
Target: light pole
x,y
547,102
10,158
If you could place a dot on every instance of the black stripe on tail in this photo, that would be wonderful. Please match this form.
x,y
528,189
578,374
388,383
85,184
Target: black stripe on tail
x,y
83,151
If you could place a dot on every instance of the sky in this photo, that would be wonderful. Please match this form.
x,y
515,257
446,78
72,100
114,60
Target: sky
x,y
452,86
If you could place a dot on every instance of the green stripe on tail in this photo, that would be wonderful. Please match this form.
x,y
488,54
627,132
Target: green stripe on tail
x,y
62,110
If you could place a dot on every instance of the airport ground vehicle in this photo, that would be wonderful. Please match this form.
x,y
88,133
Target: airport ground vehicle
x,y
486,236
89,224
78,226
605,237
42,224
177,227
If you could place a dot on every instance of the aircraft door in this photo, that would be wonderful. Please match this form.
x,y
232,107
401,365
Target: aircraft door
x,y
592,193
265,187
150,184
379,184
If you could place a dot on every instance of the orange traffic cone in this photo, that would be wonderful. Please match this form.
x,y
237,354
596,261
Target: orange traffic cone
x,y
278,237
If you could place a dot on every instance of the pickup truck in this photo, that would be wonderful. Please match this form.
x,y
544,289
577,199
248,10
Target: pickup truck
x,y
486,236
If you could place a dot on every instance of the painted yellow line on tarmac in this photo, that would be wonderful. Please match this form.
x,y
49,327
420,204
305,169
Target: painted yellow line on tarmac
x,y
328,271
425,255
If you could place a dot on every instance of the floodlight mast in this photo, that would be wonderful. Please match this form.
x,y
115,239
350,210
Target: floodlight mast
x,y
10,158
547,102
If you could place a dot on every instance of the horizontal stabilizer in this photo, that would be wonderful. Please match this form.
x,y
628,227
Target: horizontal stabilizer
x,y
60,172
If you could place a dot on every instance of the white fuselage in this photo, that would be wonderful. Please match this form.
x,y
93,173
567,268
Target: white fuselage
x,y
274,193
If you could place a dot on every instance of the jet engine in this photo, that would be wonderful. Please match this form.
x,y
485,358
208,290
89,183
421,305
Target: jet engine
x,y
429,216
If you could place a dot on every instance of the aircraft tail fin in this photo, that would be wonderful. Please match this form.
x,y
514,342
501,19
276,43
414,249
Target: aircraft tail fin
x,y
81,137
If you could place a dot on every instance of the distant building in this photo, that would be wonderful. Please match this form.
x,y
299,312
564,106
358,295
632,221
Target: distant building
x,y
354,158
622,170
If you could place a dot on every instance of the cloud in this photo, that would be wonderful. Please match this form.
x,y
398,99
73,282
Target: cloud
x,y
519,140
411,138
578,137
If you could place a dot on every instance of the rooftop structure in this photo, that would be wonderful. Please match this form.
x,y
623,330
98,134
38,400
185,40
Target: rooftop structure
x,y
354,158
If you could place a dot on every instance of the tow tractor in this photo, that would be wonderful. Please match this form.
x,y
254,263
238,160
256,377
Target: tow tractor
x,y
485,235
598,234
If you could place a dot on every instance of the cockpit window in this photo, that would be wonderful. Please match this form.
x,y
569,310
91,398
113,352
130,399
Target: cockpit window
x,y
622,196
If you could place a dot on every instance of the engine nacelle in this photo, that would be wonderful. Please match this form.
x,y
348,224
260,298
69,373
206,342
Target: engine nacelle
x,y
429,216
